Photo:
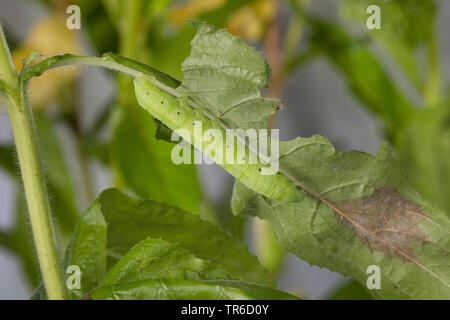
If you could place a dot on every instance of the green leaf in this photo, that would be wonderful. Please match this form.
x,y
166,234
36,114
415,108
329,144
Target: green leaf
x,y
27,62
410,21
423,147
98,23
405,25
352,290
168,51
188,290
269,252
144,164
131,220
358,211
223,75
364,74
159,259
92,142
87,250
257,291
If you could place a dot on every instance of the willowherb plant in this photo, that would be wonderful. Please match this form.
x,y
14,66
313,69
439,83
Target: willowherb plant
x,y
342,211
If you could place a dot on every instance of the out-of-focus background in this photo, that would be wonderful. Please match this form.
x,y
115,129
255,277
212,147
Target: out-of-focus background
x,y
327,91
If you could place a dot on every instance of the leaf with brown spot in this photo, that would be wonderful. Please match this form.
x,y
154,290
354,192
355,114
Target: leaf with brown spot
x,y
358,210
385,221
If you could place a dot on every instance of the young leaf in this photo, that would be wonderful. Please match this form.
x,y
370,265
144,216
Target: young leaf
x,y
27,62
188,290
131,220
87,251
159,259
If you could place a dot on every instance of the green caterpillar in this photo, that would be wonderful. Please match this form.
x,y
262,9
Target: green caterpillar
x,y
181,118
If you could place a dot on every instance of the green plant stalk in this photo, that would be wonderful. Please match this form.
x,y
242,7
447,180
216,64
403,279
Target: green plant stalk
x,y
432,87
33,179
270,253
129,34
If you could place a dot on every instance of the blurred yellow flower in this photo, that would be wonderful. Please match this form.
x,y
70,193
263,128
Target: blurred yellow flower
x,y
190,9
49,37
249,22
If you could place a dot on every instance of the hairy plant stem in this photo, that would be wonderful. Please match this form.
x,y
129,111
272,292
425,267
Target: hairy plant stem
x,y
33,178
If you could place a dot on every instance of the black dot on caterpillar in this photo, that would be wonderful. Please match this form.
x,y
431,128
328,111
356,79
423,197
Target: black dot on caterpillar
x,y
162,102
272,186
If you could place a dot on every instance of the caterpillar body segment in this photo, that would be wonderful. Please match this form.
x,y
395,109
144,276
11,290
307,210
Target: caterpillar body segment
x,y
184,120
